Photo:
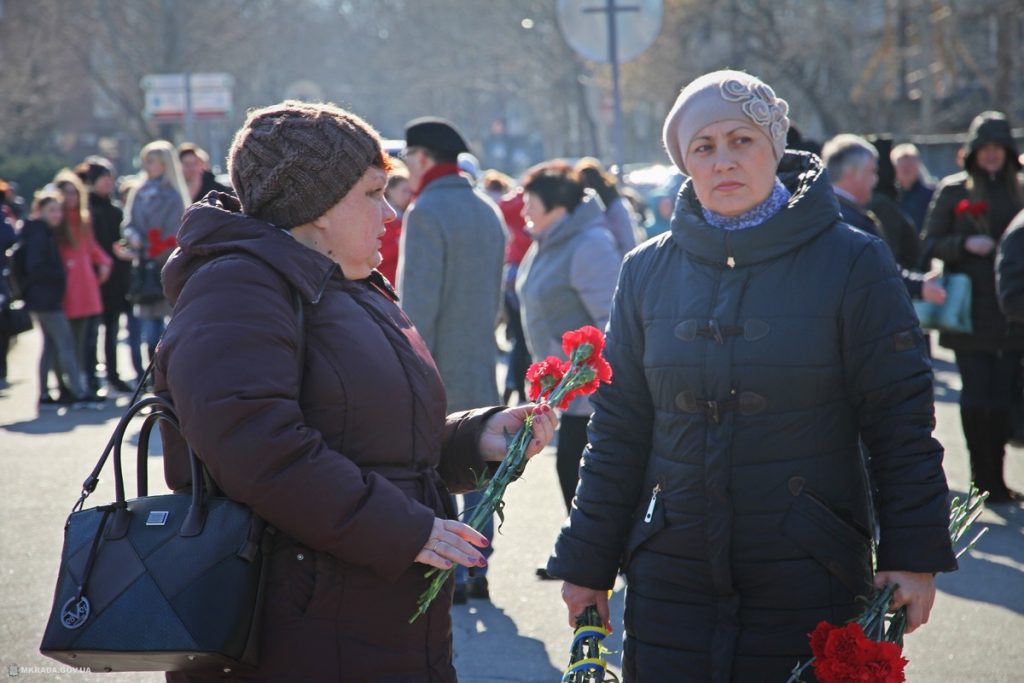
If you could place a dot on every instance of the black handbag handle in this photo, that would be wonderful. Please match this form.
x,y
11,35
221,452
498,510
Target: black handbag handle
x,y
163,409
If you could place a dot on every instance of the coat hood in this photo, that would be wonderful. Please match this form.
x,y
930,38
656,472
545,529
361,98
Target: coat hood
x,y
990,127
810,211
216,226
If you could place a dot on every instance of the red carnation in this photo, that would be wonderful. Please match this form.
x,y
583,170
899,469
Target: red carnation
x,y
545,376
819,637
595,371
158,245
975,209
889,663
845,655
588,334
846,644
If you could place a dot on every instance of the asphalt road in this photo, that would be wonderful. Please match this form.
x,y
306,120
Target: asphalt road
x,y
975,633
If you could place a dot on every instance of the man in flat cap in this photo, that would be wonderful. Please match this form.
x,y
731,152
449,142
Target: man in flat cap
x,y
449,276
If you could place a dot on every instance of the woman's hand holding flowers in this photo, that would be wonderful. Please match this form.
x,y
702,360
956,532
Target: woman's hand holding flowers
x,y
916,591
494,439
452,542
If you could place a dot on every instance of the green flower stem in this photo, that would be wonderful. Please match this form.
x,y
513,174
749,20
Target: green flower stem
x,y
510,469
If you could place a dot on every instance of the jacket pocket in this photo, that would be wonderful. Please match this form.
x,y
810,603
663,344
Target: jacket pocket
x,y
834,543
291,579
649,520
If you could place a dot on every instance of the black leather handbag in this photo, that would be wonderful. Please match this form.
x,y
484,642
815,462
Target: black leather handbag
x,y
158,583
144,286
15,319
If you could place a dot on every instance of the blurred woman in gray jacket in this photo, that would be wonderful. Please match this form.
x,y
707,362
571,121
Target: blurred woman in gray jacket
x,y
566,281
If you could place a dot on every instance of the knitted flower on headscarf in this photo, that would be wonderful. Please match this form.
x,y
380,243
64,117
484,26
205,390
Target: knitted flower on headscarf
x,y
720,96
760,104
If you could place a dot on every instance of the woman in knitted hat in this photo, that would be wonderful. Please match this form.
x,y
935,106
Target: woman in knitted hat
x,y
756,346
351,459
965,223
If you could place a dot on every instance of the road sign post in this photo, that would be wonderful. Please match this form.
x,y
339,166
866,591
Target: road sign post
x,y
622,34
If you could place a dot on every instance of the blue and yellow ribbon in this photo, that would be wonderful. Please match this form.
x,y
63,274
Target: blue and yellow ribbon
x,y
595,664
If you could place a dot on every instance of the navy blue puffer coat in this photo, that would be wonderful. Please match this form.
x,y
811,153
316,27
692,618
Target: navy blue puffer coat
x,y
725,470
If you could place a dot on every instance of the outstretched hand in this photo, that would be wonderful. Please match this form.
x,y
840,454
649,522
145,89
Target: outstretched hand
x,y
493,443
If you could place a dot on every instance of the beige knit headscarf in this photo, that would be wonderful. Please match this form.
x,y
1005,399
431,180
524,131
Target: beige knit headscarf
x,y
722,96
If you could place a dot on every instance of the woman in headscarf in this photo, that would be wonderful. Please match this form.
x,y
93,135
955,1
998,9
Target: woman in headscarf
x,y
756,347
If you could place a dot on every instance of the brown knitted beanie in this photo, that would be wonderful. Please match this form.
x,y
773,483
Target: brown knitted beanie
x,y
293,161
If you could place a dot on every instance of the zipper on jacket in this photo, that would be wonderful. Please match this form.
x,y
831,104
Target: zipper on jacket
x,y
729,261
323,285
650,507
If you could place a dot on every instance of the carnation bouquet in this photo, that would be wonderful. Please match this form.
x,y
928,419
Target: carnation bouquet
x,y
870,648
553,381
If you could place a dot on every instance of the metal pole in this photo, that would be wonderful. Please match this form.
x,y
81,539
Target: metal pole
x,y
613,58
190,133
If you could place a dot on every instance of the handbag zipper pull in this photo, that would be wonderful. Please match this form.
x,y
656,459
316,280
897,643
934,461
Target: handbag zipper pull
x,y
650,507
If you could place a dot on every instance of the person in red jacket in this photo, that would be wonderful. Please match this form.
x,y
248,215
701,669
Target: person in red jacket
x,y
398,193
519,242
87,267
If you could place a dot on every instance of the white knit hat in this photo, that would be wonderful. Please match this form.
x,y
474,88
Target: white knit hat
x,y
721,96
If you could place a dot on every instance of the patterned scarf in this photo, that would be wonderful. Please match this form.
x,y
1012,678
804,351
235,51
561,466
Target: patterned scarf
x,y
755,216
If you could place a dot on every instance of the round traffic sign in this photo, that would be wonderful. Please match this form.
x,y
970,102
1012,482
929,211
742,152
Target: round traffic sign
x,y
584,23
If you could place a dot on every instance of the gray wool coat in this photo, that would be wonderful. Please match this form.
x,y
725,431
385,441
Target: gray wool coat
x,y
621,225
449,284
566,281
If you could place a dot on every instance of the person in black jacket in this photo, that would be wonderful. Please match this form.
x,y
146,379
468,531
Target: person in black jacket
x,y
195,166
44,296
914,185
1010,270
98,175
754,348
967,219
852,164
7,239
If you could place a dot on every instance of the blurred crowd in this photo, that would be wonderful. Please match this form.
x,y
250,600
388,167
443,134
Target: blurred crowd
x,y
83,255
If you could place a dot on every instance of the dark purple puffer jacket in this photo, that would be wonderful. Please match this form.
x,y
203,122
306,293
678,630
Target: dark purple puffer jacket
x,y
351,468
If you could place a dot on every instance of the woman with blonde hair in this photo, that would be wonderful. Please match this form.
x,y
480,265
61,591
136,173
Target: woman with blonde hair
x,y
152,217
87,267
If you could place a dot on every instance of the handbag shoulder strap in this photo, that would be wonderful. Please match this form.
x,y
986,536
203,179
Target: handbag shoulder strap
x,y
90,483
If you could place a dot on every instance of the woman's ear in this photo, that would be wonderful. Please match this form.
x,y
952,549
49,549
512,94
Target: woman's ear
x,y
320,222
